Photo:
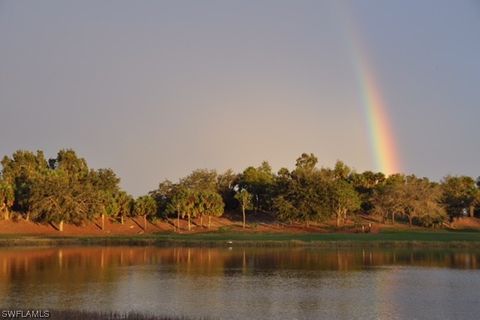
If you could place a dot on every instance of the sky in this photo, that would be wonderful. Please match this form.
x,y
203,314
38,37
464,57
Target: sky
x,y
156,89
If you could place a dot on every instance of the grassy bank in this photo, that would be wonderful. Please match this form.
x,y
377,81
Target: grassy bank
x,y
398,238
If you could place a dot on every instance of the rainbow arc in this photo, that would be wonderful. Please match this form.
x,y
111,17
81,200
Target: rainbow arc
x,y
381,134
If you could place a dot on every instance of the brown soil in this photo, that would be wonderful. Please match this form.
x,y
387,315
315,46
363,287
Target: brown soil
x,y
134,226
230,222
466,223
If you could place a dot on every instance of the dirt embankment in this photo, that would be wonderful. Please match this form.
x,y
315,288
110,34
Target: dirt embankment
x,y
134,226
256,223
466,224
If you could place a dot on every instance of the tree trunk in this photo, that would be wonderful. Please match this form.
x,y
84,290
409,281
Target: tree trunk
x,y
201,220
60,226
471,211
121,219
410,220
144,222
338,220
6,215
103,221
243,212
189,225
178,221
393,217
27,218
209,221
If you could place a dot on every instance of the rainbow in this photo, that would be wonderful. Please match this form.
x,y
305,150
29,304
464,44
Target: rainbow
x,y
381,137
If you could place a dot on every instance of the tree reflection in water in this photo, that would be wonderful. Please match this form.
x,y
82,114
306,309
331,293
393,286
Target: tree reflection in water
x,y
144,277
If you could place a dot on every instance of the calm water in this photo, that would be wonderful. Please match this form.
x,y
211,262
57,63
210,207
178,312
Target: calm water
x,y
246,283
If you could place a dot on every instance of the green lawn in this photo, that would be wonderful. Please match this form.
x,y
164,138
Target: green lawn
x,y
400,238
312,237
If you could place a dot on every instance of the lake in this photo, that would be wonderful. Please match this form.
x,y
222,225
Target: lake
x,y
246,283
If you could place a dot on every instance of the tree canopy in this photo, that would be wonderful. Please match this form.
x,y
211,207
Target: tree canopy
x,y
64,189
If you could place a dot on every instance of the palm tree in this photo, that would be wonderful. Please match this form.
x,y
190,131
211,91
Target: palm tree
x,y
6,198
214,206
245,200
145,206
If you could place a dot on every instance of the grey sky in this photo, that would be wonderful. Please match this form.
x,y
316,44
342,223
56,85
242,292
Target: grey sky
x,y
155,89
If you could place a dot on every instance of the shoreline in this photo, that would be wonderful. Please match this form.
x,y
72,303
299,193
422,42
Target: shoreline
x,y
439,239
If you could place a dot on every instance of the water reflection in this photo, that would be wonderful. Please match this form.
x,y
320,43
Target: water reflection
x,y
240,283
17,264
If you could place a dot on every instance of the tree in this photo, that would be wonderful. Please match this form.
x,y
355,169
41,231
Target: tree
x,y
195,191
106,184
23,162
109,207
62,190
6,198
213,205
101,185
68,161
145,206
459,194
420,199
117,205
105,179
244,198
343,199
285,210
19,171
163,196
58,199
476,202
200,179
49,199
341,171
184,202
125,204
200,205
302,195
189,207
178,203
387,197
282,181
226,184
433,213
367,184
259,182
306,162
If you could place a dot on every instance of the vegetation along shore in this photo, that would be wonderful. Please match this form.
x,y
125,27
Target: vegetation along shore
x,y
44,199
230,239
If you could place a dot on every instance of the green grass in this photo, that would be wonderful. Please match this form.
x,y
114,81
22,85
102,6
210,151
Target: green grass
x,y
391,238
313,237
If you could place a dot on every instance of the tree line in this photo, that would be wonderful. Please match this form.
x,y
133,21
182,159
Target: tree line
x,y
65,190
